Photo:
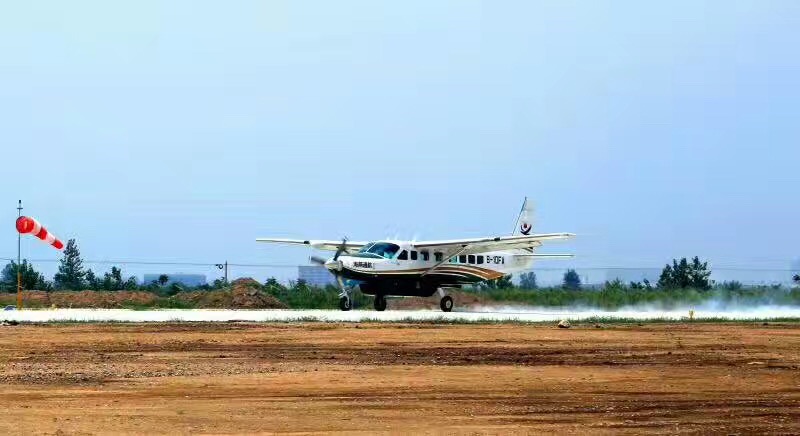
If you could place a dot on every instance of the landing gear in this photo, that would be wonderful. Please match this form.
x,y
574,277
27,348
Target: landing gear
x,y
380,303
345,303
446,303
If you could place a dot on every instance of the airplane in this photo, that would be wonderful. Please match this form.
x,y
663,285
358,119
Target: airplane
x,y
422,268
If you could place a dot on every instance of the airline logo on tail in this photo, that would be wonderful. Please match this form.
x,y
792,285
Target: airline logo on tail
x,y
524,224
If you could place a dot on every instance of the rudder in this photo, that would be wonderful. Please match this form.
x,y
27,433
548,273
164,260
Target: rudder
x,y
524,224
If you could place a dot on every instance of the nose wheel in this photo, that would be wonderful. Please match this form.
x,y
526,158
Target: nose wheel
x,y
446,303
345,303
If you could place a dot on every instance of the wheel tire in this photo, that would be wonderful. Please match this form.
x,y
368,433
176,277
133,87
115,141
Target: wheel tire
x,y
380,303
345,304
446,303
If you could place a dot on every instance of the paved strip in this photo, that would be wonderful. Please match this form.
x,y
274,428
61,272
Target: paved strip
x,y
515,314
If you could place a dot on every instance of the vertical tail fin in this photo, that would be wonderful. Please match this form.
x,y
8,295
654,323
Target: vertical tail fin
x,y
524,224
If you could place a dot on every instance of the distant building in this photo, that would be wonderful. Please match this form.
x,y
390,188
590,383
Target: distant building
x,y
627,275
315,275
190,280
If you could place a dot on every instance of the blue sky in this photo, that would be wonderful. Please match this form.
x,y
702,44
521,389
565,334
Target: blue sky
x,y
181,131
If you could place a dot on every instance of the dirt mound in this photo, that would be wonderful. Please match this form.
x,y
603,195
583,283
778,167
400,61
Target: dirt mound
x,y
243,294
90,299
101,299
206,299
250,298
246,282
32,298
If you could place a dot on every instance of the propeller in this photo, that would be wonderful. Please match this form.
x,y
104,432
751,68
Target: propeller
x,y
342,248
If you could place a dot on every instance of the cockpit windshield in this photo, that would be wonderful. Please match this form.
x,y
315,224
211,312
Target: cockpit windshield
x,y
386,250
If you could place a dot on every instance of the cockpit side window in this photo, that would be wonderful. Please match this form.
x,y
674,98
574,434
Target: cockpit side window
x,y
386,250
403,255
365,249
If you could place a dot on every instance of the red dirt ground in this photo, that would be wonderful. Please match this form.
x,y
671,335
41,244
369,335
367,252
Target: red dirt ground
x,y
400,378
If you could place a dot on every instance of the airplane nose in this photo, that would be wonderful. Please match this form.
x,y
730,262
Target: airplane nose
x,y
333,265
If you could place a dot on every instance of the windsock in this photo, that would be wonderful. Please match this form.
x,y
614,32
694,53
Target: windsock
x,y
29,226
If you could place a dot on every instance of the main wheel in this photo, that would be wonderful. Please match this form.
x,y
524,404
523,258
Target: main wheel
x,y
345,303
380,303
446,303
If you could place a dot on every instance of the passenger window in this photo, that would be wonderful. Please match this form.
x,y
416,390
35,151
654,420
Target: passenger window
x,y
426,256
453,260
462,258
413,255
438,256
480,259
471,258
403,255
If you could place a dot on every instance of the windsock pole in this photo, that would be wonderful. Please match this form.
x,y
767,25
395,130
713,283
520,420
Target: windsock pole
x,y
19,264
29,226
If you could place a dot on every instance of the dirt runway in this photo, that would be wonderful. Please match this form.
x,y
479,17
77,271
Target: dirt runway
x,y
396,378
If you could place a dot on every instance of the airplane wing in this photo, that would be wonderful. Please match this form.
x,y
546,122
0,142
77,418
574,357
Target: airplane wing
x,y
319,244
546,256
478,245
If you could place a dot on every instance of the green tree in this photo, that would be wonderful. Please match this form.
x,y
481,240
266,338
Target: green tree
x,y
684,275
665,280
273,284
93,281
505,282
70,273
699,275
528,280
174,289
112,281
572,280
796,278
30,278
163,279
732,285
131,284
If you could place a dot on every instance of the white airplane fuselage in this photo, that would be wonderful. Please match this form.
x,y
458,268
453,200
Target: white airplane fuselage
x,y
408,271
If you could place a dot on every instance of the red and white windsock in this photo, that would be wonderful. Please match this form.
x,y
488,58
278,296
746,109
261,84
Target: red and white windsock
x,y
29,226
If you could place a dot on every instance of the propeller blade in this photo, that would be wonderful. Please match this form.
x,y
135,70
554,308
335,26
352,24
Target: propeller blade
x,y
317,260
341,249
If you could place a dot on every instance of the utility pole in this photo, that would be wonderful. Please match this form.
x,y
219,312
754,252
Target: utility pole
x,y
225,267
19,260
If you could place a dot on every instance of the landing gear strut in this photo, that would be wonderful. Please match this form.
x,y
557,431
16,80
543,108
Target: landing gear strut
x,y
380,303
446,303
